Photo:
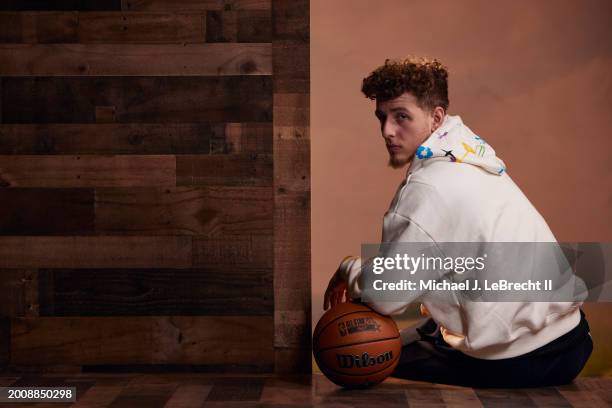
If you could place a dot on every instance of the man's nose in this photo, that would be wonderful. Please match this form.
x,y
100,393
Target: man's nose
x,y
388,130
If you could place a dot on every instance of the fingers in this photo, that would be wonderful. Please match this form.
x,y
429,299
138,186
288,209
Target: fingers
x,y
335,296
335,293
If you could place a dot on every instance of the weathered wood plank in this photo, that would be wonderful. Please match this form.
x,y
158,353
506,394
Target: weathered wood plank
x,y
195,5
244,26
137,99
291,66
34,211
291,109
105,114
238,26
292,229
291,87
460,397
96,252
504,397
52,27
188,396
547,397
115,138
420,397
291,20
236,251
5,341
85,5
228,170
142,340
19,292
139,28
156,292
292,222
144,395
292,261
287,132
243,138
236,389
292,166
135,59
136,138
98,396
184,211
87,171
11,28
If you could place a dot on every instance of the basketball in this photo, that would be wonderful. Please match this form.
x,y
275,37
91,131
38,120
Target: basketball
x,y
355,346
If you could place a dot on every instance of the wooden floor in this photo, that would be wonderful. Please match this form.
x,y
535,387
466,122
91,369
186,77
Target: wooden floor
x,y
206,390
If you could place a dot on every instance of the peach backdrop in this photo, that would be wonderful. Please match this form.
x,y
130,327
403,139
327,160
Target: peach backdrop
x,y
534,78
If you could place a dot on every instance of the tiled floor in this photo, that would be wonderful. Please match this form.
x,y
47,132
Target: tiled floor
x,y
206,390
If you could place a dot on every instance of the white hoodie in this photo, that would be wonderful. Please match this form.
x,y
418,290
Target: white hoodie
x,y
457,190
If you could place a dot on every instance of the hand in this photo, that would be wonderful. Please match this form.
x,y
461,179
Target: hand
x,y
337,288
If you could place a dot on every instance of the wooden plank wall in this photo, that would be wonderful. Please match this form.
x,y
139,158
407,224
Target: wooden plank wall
x,y
291,84
154,185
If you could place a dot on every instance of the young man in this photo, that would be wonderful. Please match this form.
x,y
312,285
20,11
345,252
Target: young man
x,y
457,190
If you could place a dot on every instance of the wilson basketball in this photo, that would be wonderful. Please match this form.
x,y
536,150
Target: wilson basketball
x,y
355,346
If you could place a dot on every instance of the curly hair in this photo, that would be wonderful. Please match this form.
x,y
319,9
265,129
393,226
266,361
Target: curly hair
x,y
426,79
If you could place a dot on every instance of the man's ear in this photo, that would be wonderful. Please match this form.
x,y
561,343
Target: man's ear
x,y
438,117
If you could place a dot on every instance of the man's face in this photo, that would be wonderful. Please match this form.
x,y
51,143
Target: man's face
x,y
404,126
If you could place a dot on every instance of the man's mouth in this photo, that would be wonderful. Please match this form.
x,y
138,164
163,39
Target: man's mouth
x,y
393,148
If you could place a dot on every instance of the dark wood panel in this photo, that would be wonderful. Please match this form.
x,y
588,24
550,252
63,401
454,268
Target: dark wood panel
x,y
180,369
139,28
143,395
227,252
156,292
142,340
239,26
86,5
5,342
95,252
29,211
243,138
132,138
137,99
18,293
291,66
87,171
291,109
135,59
503,397
104,27
184,211
11,27
292,167
291,20
292,253
199,5
230,170
244,26
236,389
111,138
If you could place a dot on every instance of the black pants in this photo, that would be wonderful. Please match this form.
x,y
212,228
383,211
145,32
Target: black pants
x,y
427,357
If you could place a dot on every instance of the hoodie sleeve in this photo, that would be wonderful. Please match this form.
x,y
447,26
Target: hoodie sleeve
x,y
407,231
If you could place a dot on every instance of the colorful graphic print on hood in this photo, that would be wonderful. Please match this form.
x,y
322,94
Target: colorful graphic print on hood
x,y
455,142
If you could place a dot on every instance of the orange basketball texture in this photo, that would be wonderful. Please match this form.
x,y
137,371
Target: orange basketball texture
x,y
355,346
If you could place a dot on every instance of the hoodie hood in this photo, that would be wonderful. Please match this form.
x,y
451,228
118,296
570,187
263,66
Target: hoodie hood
x,y
455,142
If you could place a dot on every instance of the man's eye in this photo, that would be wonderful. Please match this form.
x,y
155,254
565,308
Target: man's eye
x,y
402,116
